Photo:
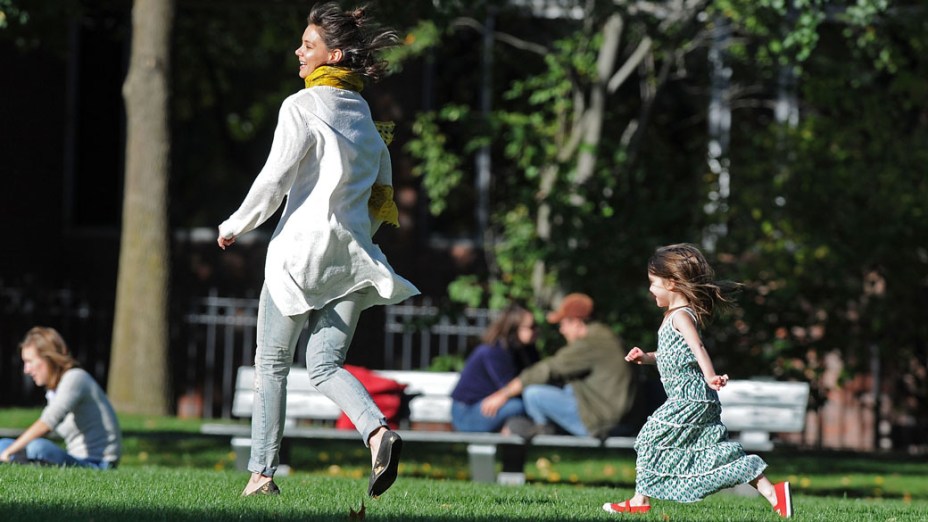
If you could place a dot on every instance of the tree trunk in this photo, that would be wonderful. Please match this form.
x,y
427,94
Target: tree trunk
x,y
586,133
138,381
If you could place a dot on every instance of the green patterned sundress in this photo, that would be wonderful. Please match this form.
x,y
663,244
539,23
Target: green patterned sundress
x,y
683,449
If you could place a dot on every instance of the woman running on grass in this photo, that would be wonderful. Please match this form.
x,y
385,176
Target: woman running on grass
x,y
322,266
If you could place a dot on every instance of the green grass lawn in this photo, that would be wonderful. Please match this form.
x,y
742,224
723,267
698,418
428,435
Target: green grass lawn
x,y
150,493
169,472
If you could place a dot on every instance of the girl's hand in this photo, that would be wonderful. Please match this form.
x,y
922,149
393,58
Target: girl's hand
x,y
636,355
717,382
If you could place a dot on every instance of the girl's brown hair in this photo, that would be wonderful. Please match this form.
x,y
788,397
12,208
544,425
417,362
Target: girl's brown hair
x,y
685,266
505,329
356,34
49,345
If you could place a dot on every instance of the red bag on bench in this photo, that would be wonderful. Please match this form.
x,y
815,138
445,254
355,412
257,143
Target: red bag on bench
x,y
387,395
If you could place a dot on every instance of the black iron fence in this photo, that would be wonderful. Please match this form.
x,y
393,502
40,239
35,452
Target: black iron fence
x,y
212,336
215,336
82,316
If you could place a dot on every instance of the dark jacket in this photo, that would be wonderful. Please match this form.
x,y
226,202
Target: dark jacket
x,y
602,380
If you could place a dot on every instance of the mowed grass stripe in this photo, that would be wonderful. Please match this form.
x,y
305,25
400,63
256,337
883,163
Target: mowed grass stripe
x,y
137,494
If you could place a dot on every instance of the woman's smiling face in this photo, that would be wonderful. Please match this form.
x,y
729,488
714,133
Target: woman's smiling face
x,y
313,52
35,366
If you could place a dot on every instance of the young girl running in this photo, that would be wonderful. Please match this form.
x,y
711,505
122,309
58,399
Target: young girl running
x,y
683,450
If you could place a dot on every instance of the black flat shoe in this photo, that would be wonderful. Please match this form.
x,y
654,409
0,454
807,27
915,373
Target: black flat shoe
x,y
385,466
268,488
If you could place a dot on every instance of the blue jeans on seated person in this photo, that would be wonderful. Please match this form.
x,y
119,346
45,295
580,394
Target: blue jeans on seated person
x,y
468,417
44,451
547,404
330,331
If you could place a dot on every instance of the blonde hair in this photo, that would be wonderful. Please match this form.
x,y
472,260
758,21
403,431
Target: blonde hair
x,y
687,268
50,346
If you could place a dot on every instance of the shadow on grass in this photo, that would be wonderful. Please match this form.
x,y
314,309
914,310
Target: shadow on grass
x,y
13,512
839,462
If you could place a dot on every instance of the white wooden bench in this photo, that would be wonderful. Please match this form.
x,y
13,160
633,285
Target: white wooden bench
x,y
752,410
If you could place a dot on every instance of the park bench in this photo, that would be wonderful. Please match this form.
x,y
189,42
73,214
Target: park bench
x,y
751,409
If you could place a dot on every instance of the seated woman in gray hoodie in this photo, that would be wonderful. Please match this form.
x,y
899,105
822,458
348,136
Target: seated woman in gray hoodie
x,y
78,410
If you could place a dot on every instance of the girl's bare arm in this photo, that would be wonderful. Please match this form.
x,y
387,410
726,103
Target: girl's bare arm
x,y
638,356
686,326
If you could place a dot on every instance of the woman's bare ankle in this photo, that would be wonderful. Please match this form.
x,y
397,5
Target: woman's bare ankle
x,y
255,482
374,441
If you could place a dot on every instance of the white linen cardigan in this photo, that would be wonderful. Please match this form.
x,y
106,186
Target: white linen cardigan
x,y
325,157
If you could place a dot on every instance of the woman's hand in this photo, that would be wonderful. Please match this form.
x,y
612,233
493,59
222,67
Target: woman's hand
x,y
717,382
224,242
491,405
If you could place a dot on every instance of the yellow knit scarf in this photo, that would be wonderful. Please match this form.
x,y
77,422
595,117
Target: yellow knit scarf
x,y
380,204
332,76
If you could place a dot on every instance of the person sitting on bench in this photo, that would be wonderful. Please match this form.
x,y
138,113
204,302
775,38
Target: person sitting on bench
x,y
585,388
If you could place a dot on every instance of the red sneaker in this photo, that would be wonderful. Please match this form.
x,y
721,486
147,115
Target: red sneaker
x,y
784,506
625,507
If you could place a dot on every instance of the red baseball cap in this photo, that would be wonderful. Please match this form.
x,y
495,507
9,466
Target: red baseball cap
x,y
575,306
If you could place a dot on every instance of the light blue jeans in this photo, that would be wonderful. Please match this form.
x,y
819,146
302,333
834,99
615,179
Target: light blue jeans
x,y
546,404
468,417
330,331
44,451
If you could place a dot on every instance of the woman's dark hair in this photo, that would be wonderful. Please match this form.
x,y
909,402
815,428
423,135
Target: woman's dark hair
x,y
505,329
49,345
356,34
687,268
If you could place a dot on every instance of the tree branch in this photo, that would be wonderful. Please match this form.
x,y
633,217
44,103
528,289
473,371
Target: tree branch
x,y
505,38
644,46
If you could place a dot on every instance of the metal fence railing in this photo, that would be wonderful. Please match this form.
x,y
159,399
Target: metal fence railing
x,y
213,338
83,318
416,334
220,337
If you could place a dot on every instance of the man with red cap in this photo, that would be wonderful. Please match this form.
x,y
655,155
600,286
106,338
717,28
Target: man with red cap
x,y
585,388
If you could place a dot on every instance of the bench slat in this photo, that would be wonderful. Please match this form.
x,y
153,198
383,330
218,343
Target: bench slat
x,y
753,409
242,430
747,405
771,406
432,390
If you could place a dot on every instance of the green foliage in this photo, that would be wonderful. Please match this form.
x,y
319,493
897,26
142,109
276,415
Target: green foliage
x,y
9,12
529,129
416,42
830,237
467,290
787,30
236,68
860,28
825,225
33,24
447,363
440,170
